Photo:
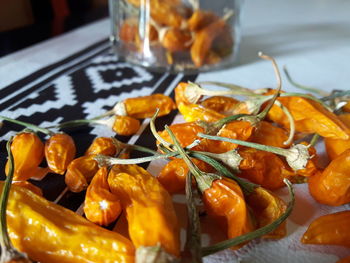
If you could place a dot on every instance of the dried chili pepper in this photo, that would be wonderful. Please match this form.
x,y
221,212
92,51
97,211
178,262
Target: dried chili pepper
x,y
145,107
102,145
346,107
310,117
335,147
195,112
80,172
267,207
59,152
220,104
269,134
332,229
28,214
311,167
180,97
167,13
332,186
31,187
28,153
126,125
101,206
177,40
201,19
145,200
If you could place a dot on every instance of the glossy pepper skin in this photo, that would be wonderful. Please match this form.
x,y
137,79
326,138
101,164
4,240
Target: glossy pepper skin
x,y
80,172
145,107
335,147
332,229
195,112
332,186
102,145
50,233
221,104
149,209
269,134
101,206
180,97
59,152
28,153
267,207
126,125
29,186
310,117
224,201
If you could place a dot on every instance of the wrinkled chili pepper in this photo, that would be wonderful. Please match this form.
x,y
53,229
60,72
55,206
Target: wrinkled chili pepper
x,y
102,145
149,208
167,13
177,40
173,174
126,125
311,166
59,152
80,172
310,117
129,31
335,147
267,207
31,187
332,186
269,134
201,19
28,153
346,107
75,238
332,229
146,106
195,112
224,201
221,104
101,206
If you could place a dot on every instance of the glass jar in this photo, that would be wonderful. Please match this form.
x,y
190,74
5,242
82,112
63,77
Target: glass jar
x,y
176,35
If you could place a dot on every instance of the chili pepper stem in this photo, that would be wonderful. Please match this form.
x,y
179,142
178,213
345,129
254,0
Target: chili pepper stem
x,y
297,156
28,125
119,145
155,133
8,252
255,234
291,122
314,139
237,88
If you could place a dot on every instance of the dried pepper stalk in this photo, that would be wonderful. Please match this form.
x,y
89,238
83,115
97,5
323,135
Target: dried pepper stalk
x,y
332,229
101,206
145,201
332,186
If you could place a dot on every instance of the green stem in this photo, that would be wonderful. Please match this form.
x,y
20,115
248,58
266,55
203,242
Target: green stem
x,y
29,125
155,133
239,90
255,234
74,123
314,139
228,119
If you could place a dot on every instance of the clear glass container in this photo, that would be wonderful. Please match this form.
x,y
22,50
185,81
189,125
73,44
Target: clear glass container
x,y
176,35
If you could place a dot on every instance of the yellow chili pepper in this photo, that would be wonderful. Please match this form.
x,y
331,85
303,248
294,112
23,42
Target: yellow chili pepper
x,y
50,233
194,112
149,208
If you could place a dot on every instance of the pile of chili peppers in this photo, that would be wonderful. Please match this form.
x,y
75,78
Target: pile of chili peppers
x,y
228,157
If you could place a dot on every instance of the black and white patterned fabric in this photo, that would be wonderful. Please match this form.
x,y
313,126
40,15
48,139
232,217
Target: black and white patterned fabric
x,y
80,87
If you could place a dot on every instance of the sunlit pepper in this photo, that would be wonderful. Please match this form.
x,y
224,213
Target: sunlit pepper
x,y
332,186
102,145
310,117
80,172
220,104
59,152
149,208
267,207
335,147
28,153
332,229
101,206
194,112
180,94
224,201
33,222
31,187
146,106
269,134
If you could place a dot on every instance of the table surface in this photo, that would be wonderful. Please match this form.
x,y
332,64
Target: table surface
x,y
312,38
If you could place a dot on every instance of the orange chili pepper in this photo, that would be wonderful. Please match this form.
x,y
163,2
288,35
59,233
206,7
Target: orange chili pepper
x,y
335,147
129,31
332,229
31,187
220,104
177,40
346,107
263,168
332,186
224,201
269,134
28,153
203,41
80,172
310,117
102,145
59,152
146,106
267,207
149,209
311,166
201,19
167,13
101,206
180,94
195,112
173,174
125,125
